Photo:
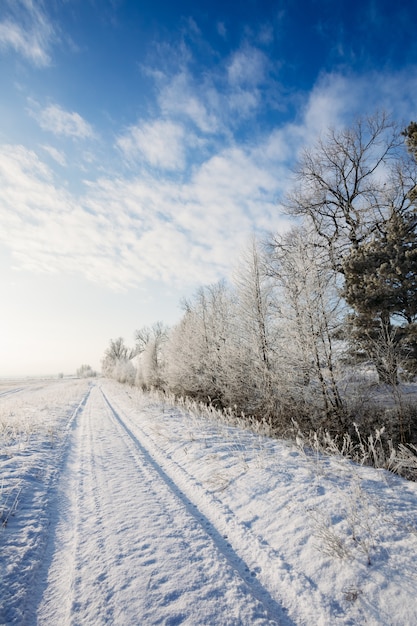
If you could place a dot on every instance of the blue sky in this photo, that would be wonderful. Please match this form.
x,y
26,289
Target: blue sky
x,y
141,143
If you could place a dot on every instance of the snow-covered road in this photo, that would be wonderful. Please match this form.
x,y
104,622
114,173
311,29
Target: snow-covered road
x,y
120,507
130,548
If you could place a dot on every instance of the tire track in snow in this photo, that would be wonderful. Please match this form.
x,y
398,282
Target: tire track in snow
x,y
78,517
275,611
253,556
137,554
90,525
16,390
9,392
50,516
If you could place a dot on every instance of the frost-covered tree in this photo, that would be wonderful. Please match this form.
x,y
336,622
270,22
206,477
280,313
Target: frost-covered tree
x,y
255,326
198,347
309,309
150,341
342,183
255,297
124,372
356,187
117,350
116,362
85,371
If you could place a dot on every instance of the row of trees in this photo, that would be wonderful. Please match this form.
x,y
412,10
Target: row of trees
x,y
85,371
307,307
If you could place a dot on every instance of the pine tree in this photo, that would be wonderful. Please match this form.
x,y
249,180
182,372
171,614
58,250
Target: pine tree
x,y
410,134
381,288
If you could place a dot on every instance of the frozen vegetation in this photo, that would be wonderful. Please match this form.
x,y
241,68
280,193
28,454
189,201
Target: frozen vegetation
x,y
316,335
122,507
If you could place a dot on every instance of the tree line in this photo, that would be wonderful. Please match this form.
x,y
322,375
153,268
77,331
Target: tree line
x,y
316,317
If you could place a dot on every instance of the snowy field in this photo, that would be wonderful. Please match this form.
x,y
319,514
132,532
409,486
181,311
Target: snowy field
x,y
119,509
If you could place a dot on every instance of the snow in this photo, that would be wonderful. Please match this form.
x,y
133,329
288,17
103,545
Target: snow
x,y
122,509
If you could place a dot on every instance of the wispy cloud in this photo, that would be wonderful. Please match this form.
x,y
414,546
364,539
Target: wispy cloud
x,y
26,29
168,221
247,67
338,99
126,230
55,154
56,120
181,97
160,143
218,100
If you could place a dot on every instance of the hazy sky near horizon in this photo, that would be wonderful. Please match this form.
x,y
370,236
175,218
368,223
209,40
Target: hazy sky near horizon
x,y
141,142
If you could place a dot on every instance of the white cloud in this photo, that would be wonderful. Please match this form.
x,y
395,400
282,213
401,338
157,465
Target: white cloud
x,y
125,231
60,122
338,99
247,67
28,31
181,226
160,143
180,97
217,100
57,155
333,98
244,102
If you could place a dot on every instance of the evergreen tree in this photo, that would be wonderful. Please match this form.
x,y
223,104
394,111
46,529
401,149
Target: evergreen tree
x,y
358,190
381,288
410,134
